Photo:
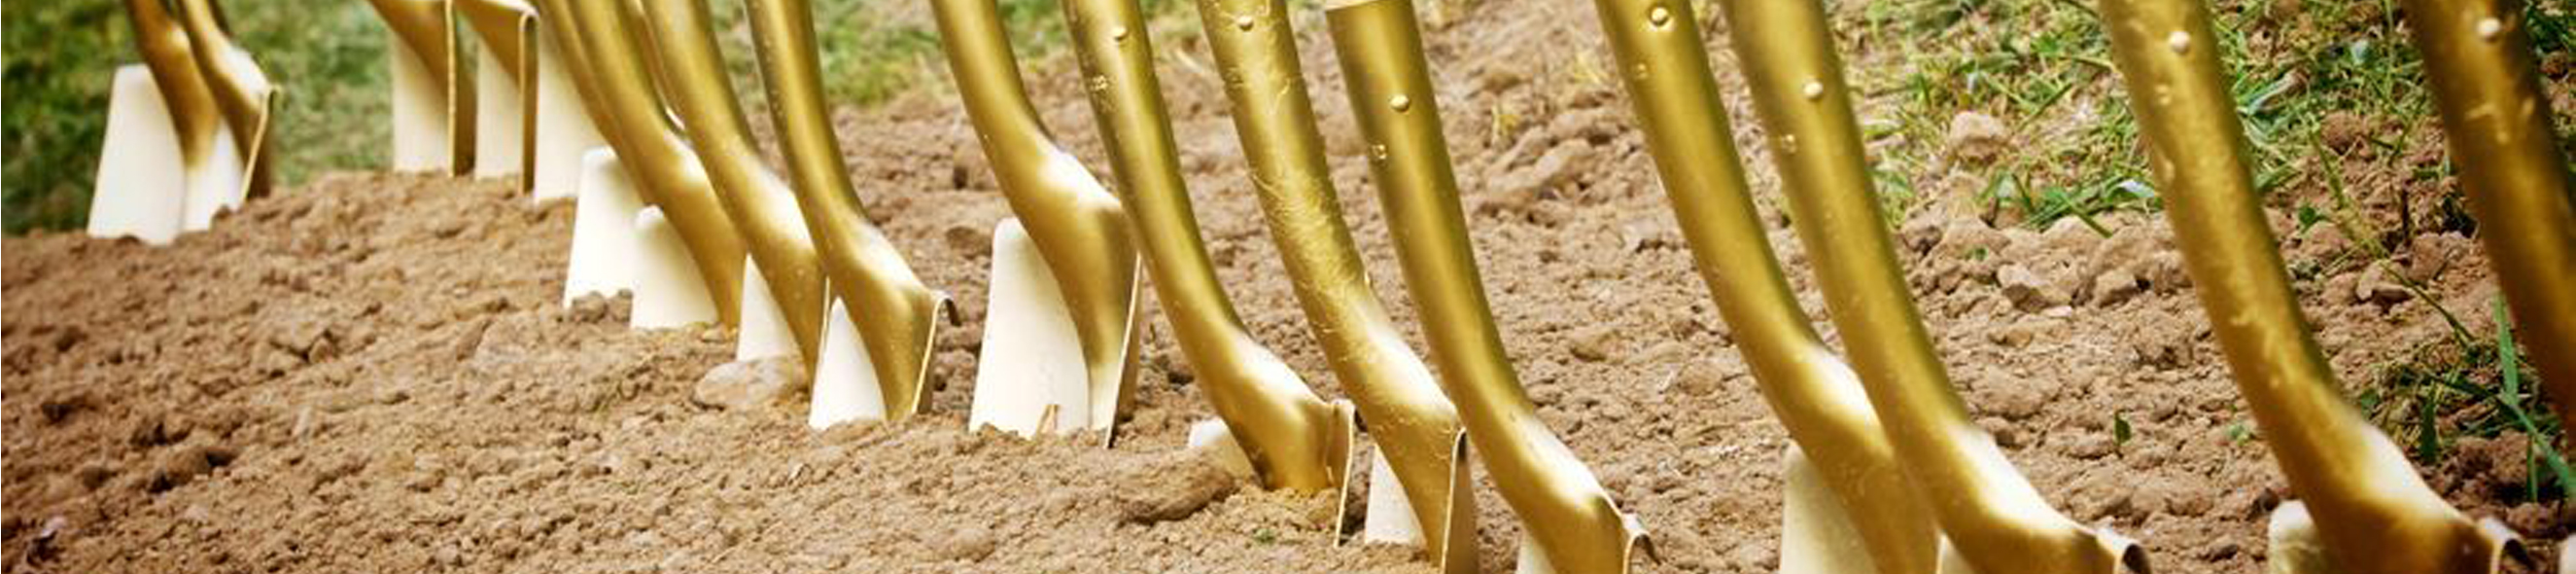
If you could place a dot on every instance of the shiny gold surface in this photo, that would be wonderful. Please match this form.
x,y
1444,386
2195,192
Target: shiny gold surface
x,y
2374,514
2478,54
763,209
509,30
897,316
166,52
1078,226
1998,522
630,114
1817,397
1413,423
422,26
242,91
1294,439
1573,520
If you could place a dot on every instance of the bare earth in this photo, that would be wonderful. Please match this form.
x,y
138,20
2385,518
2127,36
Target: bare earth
x,y
373,373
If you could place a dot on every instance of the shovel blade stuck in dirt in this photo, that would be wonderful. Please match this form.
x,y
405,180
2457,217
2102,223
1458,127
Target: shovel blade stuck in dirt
x,y
1034,380
1067,217
2372,513
667,290
605,256
143,184
433,104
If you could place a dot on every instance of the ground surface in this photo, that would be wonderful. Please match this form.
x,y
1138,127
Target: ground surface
x,y
372,373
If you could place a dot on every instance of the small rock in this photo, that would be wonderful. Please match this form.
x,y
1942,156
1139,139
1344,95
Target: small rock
x,y
2432,253
2026,289
964,238
1594,343
749,385
2343,130
1977,139
2012,400
1561,166
2115,286
1171,488
2378,290
2090,445
965,544
1699,378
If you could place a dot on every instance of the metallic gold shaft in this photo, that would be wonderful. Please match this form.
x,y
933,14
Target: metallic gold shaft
x,y
1293,438
509,31
1415,426
897,316
1567,512
1817,397
2478,53
167,53
1078,226
1996,519
639,128
2374,514
242,91
763,209
422,26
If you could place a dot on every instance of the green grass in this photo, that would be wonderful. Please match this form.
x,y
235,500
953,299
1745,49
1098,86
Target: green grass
x,y
2472,387
329,58
2043,67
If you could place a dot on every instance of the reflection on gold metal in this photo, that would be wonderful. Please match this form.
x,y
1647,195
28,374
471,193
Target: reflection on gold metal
x,y
1815,394
608,57
242,91
1413,423
166,51
1998,522
1078,226
2372,511
509,31
763,208
1568,514
1293,439
424,27
2478,53
897,316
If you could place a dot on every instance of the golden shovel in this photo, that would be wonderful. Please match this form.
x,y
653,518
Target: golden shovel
x,y
1572,524
2371,512
1077,298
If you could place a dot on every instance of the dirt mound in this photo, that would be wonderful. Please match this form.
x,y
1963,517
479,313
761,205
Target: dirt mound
x,y
374,374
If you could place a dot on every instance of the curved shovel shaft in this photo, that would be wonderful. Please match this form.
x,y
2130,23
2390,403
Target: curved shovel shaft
x,y
508,29
1293,439
896,315
1413,424
241,90
1996,519
2374,514
2478,53
1079,227
610,59
762,207
168,53
1576,525
1815,395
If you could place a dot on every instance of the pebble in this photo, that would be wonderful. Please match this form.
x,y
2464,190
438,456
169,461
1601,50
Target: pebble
x,y
1977,139
749,385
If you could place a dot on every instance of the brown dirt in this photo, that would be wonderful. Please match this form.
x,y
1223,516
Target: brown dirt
x,y
371,373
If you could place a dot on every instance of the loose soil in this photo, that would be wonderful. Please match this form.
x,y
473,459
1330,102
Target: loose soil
x,y
374,373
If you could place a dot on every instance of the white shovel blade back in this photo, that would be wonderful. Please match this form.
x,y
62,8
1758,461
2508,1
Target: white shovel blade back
x,y
564,131
142,183
845,378
498,122
2295,548
1032,357
419,113
1390,517
1816,532
668,292
764,325
221,188
1212,434
603,258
